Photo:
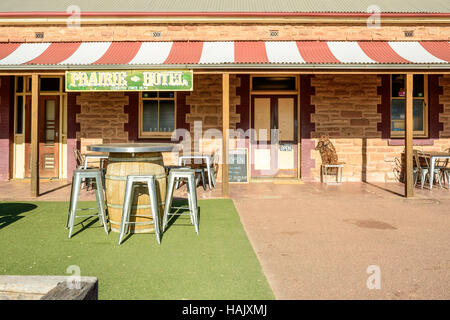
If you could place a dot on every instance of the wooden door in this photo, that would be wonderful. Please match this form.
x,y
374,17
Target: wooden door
x,y
274,143
48,137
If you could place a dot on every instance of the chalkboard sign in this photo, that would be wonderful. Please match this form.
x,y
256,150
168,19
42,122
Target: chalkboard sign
x,y
237,165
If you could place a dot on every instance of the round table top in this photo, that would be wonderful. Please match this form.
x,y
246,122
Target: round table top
x,y
134,147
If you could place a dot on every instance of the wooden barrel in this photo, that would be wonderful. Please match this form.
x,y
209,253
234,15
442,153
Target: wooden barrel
x,y
119,166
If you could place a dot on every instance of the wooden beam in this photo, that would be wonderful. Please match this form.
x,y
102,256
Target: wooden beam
x,y
409,180
35,135
225,133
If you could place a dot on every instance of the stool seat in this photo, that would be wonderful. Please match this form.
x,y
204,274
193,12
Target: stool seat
x,y
189,176
131,182
78,175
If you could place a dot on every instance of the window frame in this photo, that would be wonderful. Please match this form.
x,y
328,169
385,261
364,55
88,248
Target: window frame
x,y
271,75
416,134
156,134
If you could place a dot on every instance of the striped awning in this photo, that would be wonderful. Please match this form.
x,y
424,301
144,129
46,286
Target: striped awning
x,y
197,54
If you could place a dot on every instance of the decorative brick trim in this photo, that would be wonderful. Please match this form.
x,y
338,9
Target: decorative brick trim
x,y
306,126
384,108
435,108
72,128
182,110
6,127
243,109
132,109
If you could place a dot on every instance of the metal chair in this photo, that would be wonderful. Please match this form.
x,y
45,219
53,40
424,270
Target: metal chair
x,y
132,182
78,175
445,170
208,158
214,167
189,176
424,171
82,163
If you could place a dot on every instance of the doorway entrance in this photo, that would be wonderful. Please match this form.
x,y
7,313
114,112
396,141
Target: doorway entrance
x,y
49,108
274,147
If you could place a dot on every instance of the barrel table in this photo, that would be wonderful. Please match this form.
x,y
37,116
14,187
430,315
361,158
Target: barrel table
x,y
134,158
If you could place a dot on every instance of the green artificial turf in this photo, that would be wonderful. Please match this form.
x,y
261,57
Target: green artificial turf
x,y
219,263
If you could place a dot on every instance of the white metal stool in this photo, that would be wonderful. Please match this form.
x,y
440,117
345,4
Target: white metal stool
x,y
131,183
175,175
78,175
339,168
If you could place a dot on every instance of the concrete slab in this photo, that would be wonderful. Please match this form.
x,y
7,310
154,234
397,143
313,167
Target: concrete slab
x,y
319,242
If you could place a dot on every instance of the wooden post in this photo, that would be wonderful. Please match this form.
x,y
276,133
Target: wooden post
x,y
409,179
225,133
34,135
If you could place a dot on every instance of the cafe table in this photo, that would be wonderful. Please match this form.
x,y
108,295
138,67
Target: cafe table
x,y
134,158
433,156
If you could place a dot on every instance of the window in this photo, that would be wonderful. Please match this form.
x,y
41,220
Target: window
x,y
274,83
398,104
49,84
157,114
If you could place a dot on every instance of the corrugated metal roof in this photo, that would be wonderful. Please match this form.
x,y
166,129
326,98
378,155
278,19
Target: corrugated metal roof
x,y
307,6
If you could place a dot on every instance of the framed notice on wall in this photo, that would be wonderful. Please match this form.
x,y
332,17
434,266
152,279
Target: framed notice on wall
x,y
238,165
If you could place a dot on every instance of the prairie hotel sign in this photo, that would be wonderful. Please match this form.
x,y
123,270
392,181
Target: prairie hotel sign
x,y
134,80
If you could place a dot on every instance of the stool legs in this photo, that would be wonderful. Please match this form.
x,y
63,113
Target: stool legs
x,y
192,198
155,209
193,204
169,196
126,212
100,200
73,202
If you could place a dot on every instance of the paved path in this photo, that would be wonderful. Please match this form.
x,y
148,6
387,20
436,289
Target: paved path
x,y
316,241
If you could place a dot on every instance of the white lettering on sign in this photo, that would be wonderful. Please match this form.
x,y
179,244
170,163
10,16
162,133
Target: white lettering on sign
x,y
106,79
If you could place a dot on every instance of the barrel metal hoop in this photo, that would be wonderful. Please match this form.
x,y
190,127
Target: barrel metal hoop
x,y
134,159
139,206
124,178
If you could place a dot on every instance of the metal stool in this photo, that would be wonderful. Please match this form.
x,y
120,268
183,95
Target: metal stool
x,y
78,175
199,174
339,168
129,187
189,175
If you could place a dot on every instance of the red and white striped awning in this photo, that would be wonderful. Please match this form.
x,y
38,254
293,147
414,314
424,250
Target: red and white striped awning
x,y
301,54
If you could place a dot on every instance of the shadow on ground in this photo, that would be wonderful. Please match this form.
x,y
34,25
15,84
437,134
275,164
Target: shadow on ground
x,y
11,212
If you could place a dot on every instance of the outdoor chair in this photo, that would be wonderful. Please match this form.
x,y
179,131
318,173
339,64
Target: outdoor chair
x,y
189,176
445,170
209,164
423,169
132,182
80,160
329,160
78,175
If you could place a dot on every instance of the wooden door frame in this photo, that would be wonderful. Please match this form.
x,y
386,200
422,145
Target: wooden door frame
x,y
42,133
274,119
27,133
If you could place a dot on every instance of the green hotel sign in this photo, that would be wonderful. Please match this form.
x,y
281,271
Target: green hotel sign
x,y
129,80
